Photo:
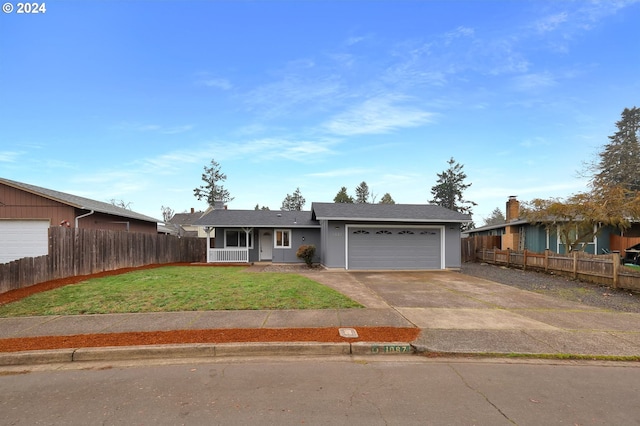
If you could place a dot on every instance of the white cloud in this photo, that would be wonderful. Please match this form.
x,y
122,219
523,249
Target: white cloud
x,y
534,142
294,93
165,130
9,156
534,81
218,83
154,128
378,115
356,171
551,22
354,40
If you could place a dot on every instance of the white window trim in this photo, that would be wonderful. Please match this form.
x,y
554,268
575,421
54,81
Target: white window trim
x,y
239,231
593,242
275,238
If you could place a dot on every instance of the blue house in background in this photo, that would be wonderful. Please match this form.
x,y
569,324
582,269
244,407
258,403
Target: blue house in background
x,y
519,234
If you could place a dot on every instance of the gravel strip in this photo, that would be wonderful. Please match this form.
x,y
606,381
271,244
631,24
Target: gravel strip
x,y
557,286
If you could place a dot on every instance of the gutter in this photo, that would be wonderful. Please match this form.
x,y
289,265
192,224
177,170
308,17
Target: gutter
x,y
81,216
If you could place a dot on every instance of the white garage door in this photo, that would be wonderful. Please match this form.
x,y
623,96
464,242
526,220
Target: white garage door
x,y
394,248
23,238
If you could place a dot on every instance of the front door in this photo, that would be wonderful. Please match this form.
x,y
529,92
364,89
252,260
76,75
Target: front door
x,y
266,245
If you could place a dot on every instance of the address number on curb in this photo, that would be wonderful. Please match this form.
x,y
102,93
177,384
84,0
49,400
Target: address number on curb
x,y
391,349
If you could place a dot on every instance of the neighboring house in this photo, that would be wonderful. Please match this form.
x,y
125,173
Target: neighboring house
x,y
519,234
27,211
185,224
350,236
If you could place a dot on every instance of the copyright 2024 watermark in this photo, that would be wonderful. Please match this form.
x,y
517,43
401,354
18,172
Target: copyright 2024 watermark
x,y
24,8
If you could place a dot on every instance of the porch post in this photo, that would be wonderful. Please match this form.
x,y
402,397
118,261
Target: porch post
x,y
207,229
246,243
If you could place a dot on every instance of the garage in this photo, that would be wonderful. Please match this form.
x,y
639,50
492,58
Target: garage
x,y
394,248
23,238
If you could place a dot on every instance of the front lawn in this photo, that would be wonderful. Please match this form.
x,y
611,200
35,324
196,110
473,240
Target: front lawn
x,y
181,288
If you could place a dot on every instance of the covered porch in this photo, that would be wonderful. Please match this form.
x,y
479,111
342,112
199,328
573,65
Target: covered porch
x,y
238,253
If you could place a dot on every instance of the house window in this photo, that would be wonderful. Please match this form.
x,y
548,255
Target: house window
x,y
237,238
283,238
383,232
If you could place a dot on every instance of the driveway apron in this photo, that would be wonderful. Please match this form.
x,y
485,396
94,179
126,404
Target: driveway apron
x,y
465,314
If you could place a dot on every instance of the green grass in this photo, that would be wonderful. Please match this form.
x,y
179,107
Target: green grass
x,y
181,288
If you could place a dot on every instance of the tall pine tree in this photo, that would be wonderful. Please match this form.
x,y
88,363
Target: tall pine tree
x,y
212,191
362,193
293,202
449,189
342,196
619,161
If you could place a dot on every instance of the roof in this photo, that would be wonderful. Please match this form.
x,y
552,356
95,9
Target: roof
x,y
498,225
258,219
186,218
426,213
78,202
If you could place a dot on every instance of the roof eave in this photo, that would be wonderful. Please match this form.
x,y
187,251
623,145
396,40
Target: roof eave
x,y
368,219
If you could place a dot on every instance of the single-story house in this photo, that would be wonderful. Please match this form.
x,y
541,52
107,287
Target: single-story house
x,y
27,211
349,236
184,224
519,234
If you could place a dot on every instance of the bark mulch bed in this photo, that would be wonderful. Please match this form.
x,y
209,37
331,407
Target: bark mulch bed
x,y
323,335
239,335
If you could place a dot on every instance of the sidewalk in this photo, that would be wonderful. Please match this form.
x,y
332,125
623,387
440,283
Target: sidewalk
x,y
455,313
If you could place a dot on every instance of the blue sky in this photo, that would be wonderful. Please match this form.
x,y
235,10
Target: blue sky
x,y
129,100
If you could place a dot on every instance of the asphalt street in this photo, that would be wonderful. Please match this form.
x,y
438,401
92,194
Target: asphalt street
x,y
325,390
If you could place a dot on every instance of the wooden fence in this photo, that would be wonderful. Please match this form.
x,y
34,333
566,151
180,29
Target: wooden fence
x,y
74,252
601,269
471,245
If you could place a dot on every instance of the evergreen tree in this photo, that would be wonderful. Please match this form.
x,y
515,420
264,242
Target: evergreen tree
x,y
293,202
449,189
342,196
619,161
362,193
495,218
212,191
386,199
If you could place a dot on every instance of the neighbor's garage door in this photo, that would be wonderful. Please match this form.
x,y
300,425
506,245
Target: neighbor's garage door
x,y
394,248
23,238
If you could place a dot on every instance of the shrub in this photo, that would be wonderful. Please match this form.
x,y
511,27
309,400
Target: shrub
x,y
306,253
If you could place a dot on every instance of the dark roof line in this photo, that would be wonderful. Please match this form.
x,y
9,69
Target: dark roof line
x,y
77,201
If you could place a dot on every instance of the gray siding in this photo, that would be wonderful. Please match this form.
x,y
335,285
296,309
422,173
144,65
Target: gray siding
x,y
288,255
452,252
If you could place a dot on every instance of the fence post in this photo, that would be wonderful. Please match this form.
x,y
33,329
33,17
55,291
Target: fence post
x,y
508,257
546,260
575,265
615,257
524,260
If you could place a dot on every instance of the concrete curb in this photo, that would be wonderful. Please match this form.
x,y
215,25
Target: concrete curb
x,y
124,353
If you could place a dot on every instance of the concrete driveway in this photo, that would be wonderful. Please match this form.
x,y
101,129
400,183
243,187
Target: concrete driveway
x,y
461,313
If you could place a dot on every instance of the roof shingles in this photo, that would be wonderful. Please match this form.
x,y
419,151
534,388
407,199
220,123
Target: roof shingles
x,y
77,201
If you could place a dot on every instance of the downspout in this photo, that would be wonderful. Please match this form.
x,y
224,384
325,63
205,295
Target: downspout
x,y
81,216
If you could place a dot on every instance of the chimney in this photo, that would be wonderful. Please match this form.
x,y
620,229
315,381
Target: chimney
x,y
193,210
218,205
513,208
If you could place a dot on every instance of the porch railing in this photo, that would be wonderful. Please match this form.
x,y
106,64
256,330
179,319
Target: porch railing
x,y
228,255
